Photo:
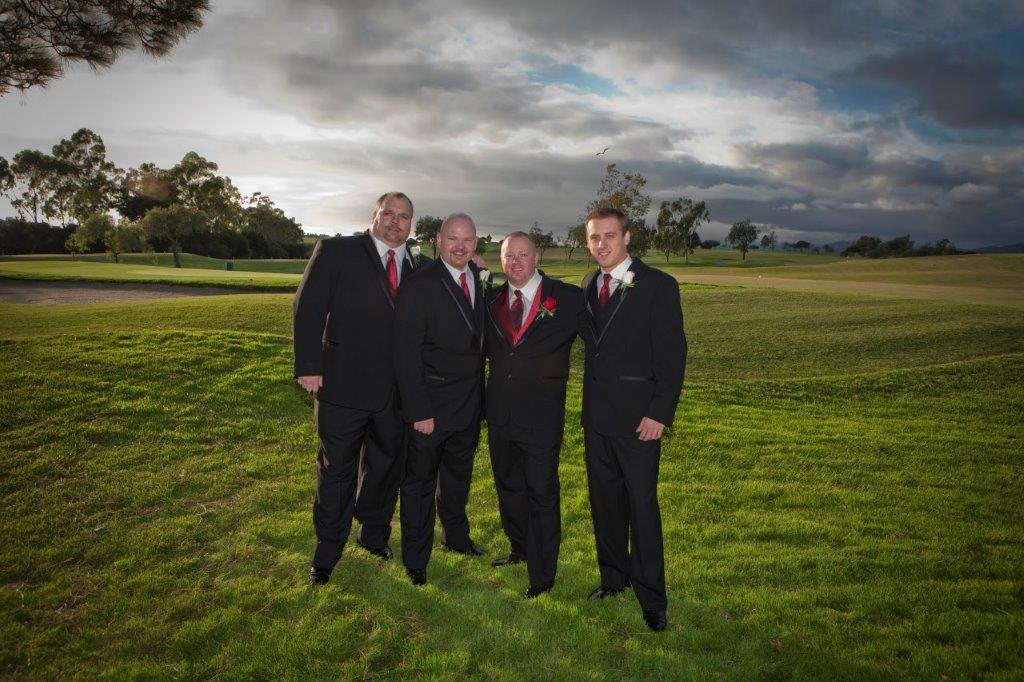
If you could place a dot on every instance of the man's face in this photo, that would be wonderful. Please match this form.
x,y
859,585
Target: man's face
x,y
392,221
456,243
518,260
607,241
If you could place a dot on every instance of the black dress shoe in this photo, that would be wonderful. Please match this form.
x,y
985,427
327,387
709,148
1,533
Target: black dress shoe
x,y
602,591
384,552
418,576
471,550
656,620
533,592
319,576
510,560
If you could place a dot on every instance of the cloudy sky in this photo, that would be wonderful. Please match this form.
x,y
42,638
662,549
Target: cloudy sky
x,y
823,120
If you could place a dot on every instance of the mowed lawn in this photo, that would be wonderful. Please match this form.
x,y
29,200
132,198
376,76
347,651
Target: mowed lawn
x,y
841,495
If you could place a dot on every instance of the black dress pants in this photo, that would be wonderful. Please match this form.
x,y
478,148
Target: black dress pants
x,y
360,464
438,473
622,475
525,465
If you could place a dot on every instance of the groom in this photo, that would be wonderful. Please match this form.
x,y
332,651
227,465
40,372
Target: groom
x,y
633,374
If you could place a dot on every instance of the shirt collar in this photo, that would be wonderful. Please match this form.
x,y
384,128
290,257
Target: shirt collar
x,y
619,270
382,248
455,273
529,289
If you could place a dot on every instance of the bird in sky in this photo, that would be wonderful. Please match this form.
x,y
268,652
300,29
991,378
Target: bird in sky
x,y
602,151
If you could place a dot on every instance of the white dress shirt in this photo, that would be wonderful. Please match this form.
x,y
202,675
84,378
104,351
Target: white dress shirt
x,y
470,280
382,250
617,273
529,292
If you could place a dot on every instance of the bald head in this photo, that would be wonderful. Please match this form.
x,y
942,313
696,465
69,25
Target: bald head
x,y
456,240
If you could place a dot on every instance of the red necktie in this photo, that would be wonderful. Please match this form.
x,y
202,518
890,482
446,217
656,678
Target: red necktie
x,y
392,273
465,289
604,294
516,310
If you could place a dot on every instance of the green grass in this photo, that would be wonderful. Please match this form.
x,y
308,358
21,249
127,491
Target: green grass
x,y
841,498
87,271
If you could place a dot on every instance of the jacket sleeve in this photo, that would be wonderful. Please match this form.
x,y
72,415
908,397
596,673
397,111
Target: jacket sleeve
x,y
310,308
668,352
410,335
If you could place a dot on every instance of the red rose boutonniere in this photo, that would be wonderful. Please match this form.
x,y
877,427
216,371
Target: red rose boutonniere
x,y
548,307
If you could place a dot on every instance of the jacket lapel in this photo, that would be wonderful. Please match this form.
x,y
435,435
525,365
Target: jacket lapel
x,y
588,283
497,304
371,252
458,298
620,296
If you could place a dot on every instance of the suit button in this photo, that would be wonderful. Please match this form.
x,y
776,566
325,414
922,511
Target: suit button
x,y
597,355
508,376
511,353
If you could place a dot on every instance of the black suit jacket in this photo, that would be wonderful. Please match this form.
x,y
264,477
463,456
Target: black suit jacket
x,y
635,353
526,385
438,348
344,322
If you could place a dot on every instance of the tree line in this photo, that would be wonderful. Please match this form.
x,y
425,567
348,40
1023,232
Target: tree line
x,y
187,207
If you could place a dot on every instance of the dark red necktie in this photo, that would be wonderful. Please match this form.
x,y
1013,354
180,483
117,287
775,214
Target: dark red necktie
x,y
392,273
605,293
516,310
465,289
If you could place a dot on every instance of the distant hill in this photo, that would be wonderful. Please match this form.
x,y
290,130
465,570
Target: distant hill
x,y
1009,248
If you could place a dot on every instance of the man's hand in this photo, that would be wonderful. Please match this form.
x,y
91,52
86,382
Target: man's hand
x,y
480,262
424,426
650,429
311,384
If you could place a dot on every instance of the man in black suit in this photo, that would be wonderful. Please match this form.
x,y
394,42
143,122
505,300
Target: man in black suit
x,y
533,322
633,374
439,331
344,324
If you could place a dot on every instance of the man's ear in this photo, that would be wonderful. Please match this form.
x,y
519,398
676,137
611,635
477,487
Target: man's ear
x,y
625,237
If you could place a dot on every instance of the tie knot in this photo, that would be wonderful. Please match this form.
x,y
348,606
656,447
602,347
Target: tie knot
x,y
607,278
391,253
518,293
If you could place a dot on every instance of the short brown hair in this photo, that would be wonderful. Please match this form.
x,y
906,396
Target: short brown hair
x,y
519,234
610,212
392,195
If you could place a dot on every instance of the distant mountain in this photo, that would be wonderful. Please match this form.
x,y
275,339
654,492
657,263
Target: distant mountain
x,y
1009,248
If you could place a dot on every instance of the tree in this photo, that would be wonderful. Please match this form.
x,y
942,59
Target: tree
x,y
280,235
622,191
801,245
89,234
38,38
541,240
641,238
123,236
742,235
768,241
575,238
172,224
33,182
427,228
142,189
676,226
89,182
865,245
710,243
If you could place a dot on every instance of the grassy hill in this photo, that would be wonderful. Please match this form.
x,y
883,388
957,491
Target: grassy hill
x,y
841,496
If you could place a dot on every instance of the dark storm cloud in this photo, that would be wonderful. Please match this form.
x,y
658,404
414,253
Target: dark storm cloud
x,y
429,78
963,91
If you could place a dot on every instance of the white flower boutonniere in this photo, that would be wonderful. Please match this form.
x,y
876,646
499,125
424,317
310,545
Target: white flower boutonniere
x,y
627,281
415,252
485,278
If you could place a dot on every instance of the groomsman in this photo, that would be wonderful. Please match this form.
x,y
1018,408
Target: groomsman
x,y
633,374
534,320
438,351
344,324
